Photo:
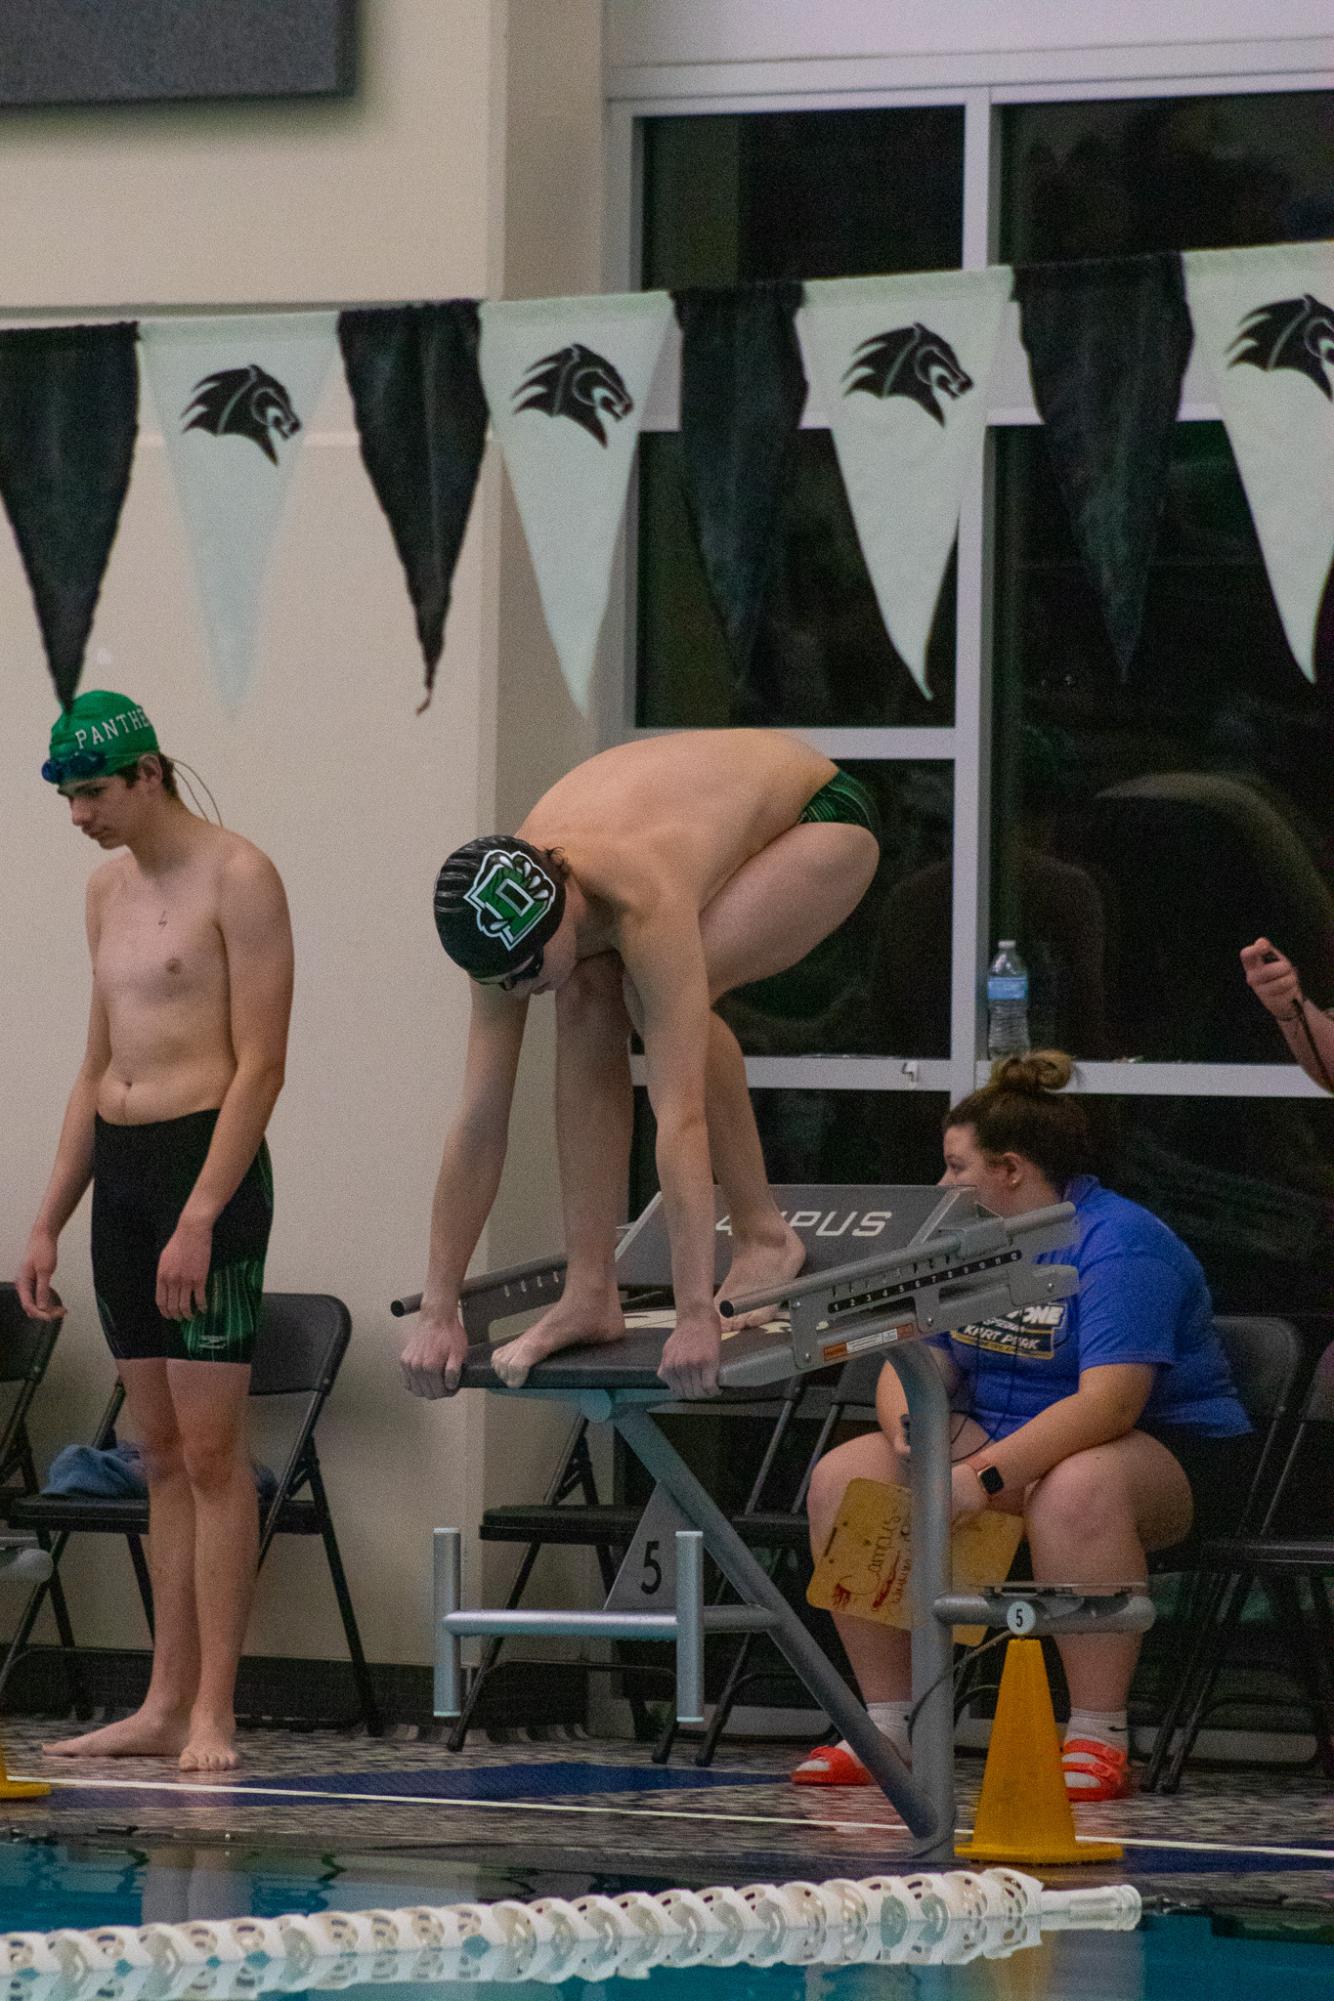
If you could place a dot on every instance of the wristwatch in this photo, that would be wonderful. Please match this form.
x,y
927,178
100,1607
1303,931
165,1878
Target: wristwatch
x,y
991,1478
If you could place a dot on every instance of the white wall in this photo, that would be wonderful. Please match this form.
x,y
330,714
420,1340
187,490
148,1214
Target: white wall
x,y
401,193
721,31
552,247
384,196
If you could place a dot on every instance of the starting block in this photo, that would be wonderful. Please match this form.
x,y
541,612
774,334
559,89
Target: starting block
x,y
922,1261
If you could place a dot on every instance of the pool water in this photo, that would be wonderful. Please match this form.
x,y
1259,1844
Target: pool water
x,y
48,1885
45,1886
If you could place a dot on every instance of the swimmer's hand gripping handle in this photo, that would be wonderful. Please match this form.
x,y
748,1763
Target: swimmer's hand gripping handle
x,y
1049,1229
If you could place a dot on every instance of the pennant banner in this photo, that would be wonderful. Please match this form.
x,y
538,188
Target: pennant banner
x,y
742,394
566,382
1264,320
901,367
69,411
421,416
234,398
1108,342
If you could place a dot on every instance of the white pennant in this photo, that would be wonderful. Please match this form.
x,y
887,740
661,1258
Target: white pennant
x,y
1264,324
566,382
234,398
901,368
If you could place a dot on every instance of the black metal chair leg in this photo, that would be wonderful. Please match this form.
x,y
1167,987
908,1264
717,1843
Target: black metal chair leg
x,y
1322,1619
75,1679
31,1611
641,1722
361,1674
1206,1607
722,1709
1312,1671
1231,1607
662,1750
142,1578
458,1736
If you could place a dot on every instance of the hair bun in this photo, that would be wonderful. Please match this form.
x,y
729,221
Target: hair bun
x,y
1041,1070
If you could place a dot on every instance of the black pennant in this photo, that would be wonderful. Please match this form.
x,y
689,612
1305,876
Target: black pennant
x,y
1322,655
1108,343
69,412
421,416
743,390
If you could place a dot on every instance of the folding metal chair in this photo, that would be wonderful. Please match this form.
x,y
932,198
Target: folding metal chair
x,y
302,1340
26,1347
1255,1554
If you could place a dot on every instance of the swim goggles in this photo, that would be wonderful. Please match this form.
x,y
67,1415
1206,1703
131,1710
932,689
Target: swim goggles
x,y
79,764
507,982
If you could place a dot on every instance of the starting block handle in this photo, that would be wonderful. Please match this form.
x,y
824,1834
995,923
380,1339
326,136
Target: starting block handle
x,y
1052,1226
491,1281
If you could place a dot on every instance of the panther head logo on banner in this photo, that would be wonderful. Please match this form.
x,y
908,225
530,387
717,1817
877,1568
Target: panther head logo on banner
x,y
575,383
242,403
1292,333
910,361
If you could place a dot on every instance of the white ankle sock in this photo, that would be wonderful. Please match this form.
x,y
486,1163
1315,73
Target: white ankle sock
x,y
1105,1726
891,1720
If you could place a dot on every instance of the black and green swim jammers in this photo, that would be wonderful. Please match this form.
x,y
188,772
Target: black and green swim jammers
x,y
846,799
142,1178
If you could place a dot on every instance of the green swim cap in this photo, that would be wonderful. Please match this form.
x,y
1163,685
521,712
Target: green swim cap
x,y
99,733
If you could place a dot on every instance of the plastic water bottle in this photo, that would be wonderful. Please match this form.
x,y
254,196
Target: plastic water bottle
x,y
1007,1003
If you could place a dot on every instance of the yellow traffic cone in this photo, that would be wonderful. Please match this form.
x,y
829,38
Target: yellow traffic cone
x,y
1023,1814
19,1789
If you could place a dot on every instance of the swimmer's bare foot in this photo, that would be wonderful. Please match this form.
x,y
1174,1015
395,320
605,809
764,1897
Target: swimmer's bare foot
x,y
146,1734
211,1746
756,1266
575,1321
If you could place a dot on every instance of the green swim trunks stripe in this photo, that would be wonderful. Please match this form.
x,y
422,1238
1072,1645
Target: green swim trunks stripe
x,y
225,1330
142,1176
847,800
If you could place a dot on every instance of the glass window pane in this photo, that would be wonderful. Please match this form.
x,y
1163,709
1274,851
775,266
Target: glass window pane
x,y
880,985
1107,179
802,194
1248,1183
1143,832
833,1136
822,658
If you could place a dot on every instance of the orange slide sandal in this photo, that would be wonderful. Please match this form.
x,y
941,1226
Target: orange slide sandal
x,y
831,1765
1100,1771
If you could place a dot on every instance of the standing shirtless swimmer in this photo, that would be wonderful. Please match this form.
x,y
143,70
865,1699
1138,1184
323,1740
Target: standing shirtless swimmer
x,y
642,887
192,983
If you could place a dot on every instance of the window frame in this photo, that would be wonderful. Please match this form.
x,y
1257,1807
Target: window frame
x,y
635,95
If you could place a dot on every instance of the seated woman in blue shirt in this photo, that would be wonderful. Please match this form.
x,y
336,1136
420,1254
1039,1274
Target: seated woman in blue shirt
x,y
1109,1420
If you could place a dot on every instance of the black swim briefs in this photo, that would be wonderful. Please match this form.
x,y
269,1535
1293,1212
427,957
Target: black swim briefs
x,y
142,1178
846,799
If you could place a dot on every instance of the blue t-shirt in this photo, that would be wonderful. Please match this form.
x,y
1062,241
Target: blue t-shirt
x,y
1142,1298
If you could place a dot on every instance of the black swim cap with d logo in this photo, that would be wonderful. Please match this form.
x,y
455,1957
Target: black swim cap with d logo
x,y
497,902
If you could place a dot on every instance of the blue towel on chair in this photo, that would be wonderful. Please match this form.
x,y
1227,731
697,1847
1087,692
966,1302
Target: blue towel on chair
x,y
116,1473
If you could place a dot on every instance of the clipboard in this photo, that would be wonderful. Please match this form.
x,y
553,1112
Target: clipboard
x,y
866,1565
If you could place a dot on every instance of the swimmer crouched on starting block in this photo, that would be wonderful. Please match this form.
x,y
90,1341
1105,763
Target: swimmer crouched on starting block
x,y
646,884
